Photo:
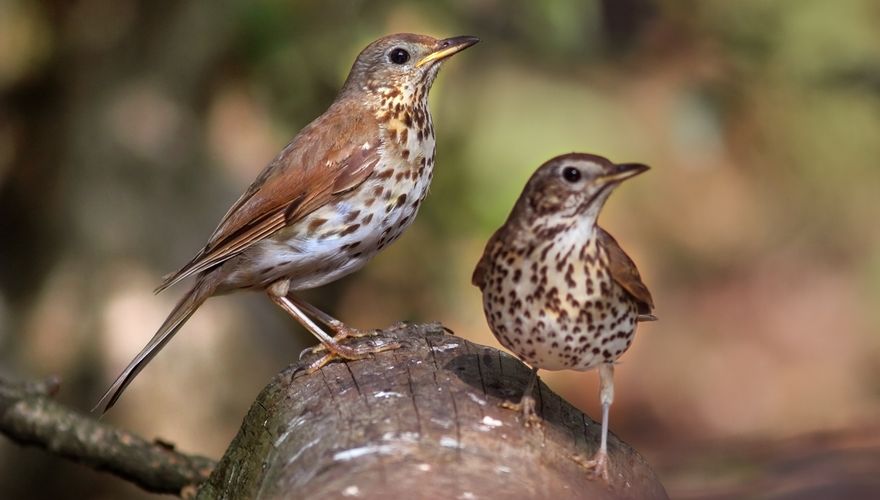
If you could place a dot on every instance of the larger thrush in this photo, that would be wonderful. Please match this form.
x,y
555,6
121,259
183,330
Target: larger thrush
x,y
342,190
558,290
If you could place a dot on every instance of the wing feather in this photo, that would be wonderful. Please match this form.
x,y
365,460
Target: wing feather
x,y
331,156
625,274
481,271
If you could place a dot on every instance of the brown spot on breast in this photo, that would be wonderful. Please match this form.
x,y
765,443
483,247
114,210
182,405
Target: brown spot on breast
x,y
545,251
315,224
351,216
351,246
350,229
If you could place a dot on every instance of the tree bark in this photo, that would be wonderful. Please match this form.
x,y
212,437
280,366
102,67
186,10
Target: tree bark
x,y
422,421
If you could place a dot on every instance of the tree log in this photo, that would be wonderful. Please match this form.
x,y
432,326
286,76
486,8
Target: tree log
x,y
422,421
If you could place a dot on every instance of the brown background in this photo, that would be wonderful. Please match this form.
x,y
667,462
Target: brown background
x,y
128,127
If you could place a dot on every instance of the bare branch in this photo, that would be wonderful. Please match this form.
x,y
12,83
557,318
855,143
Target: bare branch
x,y
29,416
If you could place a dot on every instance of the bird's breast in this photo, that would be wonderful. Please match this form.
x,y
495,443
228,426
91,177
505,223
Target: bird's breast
x,y
556,306
343,235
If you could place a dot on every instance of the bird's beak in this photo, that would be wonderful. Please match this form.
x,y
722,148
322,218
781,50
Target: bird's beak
x,y
623,171
446,48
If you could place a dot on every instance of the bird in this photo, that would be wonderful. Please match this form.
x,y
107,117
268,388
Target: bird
x,y
346,186
558,290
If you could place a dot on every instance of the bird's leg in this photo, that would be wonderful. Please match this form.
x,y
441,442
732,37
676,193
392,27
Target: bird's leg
x,y
278,293
527,403
340,330
599,463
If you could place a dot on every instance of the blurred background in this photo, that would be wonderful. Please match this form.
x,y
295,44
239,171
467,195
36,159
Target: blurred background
x,y
128,127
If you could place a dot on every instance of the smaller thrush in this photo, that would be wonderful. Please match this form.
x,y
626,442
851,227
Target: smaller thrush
x,y
557,289
342,190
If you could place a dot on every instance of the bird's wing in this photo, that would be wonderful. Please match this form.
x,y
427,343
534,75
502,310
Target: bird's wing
x,y
478,279
625,274
334,154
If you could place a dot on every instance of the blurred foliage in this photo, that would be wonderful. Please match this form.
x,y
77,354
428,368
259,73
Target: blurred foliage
x,y
127,128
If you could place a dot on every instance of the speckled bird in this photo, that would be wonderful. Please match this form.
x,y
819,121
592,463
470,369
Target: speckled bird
x,y
557,289
342,190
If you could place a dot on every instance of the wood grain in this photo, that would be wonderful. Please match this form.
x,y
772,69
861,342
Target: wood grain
x,y
422,421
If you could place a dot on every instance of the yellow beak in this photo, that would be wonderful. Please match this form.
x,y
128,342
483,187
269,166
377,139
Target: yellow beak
x,y
624,171
446,48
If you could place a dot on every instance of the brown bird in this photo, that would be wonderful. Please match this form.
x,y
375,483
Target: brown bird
x,y
558,290
342,190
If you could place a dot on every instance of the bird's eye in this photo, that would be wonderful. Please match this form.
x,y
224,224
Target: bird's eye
x,y
571,174
398,56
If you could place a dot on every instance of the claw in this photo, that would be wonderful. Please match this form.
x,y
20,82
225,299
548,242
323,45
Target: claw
x,y
309,350
342,332
526,406
347,353
527,403
598,465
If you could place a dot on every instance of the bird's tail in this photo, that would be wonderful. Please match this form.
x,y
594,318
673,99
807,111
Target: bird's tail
x,y
185,308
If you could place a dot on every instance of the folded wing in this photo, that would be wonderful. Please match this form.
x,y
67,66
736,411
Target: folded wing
x,y
625,274
322,162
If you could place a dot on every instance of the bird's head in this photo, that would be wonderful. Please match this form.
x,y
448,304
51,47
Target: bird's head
x,y
574,184
404,63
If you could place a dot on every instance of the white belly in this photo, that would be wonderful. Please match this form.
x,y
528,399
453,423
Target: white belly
x,y
354,230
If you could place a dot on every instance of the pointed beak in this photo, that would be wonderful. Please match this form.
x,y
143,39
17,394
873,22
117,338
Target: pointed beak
x,y
446,48
623,171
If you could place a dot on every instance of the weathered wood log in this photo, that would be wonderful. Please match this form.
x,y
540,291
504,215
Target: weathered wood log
x,y
422,421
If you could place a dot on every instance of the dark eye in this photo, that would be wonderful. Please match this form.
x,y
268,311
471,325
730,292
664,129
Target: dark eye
x,y
398,56
571,174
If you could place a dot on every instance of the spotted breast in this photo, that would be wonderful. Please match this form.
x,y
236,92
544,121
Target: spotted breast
x,y
342,236
555,305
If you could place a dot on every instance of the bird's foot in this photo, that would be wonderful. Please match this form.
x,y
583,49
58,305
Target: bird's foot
x,y
526,405
342,332
598,465
348,353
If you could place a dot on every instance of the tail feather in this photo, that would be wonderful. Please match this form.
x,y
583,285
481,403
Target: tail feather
x,y
172,279
178,316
